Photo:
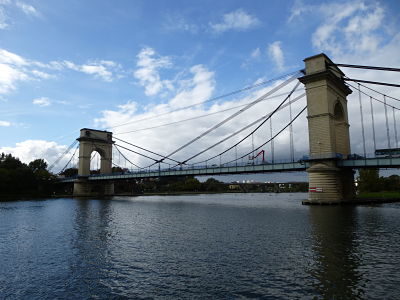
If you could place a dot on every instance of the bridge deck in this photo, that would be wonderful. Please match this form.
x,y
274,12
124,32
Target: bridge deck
x,y
213,170
260,168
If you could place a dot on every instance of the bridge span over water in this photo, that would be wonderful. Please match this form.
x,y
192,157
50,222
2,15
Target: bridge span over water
x,y
330,164
386,163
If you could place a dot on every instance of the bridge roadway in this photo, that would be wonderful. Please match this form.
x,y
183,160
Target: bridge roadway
x,y
386,162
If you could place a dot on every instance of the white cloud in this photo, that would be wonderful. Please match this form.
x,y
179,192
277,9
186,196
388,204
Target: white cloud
x,y
3,15
276,54
298,9
9,76
30,150
42,75
254,56
4,4
197,86
27,9
236,20
198,89
177,22
15,68
102,69
43,101
345,26
124,114
7,57
3,19
5,124
357,32
256,53
97,70
147,73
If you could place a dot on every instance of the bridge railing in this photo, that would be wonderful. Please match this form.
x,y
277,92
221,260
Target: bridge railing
x,y
244,163
349,161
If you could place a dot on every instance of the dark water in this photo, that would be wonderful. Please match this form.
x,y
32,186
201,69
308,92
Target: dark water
x,y
238,246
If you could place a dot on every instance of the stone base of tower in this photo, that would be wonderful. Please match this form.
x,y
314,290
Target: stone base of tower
x,y
85,188
329,184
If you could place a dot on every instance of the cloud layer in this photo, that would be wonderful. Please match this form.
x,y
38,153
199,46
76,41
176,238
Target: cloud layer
x,y
349,32
238,20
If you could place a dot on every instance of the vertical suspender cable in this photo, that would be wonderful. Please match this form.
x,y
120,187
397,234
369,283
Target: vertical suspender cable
x,y
362,119
387,122
236,155
291,133
373,122
395,128
252,147
272,141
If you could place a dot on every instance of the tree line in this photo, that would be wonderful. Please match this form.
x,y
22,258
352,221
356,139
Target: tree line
x,y
370,181
18,178
33,179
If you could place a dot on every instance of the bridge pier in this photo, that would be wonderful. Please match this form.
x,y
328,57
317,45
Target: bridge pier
x,y
328,129
94,140
85,188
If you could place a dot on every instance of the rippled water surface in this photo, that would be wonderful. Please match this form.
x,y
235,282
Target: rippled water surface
x,y
225,246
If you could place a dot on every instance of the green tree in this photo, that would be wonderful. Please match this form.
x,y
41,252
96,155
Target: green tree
x,y
37,164
213,185
17,178
9,162
368,180
70,172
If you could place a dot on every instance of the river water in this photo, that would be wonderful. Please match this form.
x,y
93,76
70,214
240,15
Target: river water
x,y
223,246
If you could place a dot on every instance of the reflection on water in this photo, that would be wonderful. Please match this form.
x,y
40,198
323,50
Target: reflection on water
x,y
206,246
90,263
336,257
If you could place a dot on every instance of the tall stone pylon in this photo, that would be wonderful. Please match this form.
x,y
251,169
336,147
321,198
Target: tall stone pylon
x,y
328,129
94,140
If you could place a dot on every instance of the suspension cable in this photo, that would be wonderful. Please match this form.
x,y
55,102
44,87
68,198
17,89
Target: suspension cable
x,y
262,145
373,122
156,160
367,87
372,82
367,67
272,141
374,97
116,147
291,132
108,159
212,99
62,170
251,104
266,117
141,148
193,118
362,119
387,123
62,155
395,128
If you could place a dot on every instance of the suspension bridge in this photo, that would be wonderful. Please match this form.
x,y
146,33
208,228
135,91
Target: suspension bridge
x,y
328,161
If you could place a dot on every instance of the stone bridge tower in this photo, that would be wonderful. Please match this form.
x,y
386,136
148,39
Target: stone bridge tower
x,y
94,140
328,128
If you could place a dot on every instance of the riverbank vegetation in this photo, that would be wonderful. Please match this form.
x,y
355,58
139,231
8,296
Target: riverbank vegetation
x,y
18,178
190,184
371,185
34,180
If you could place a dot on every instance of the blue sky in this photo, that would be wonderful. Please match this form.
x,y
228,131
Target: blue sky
x,y
66,65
